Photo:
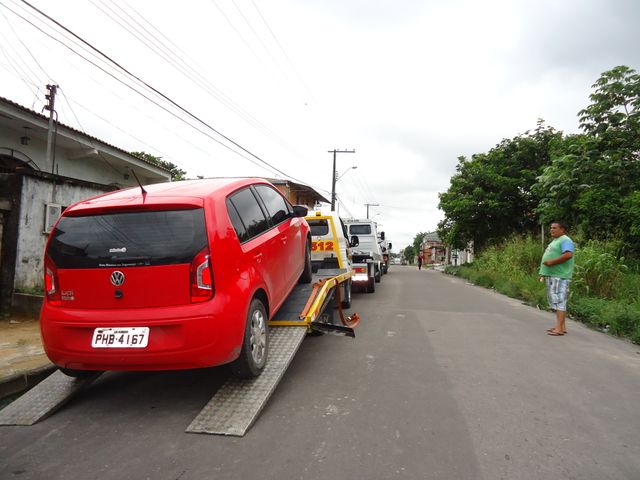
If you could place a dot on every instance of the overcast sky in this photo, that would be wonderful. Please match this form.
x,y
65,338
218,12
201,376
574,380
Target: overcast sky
x,y
410,85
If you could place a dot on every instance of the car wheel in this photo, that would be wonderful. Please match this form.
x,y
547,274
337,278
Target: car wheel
x,y
307,273
255,345
79,373
346,303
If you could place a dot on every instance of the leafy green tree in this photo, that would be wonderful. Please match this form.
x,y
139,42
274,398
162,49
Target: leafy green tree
x,y
408,253
417,242
490,197
176,172
593,181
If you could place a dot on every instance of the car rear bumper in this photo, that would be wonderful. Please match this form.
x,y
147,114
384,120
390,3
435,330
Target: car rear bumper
x,y
191,336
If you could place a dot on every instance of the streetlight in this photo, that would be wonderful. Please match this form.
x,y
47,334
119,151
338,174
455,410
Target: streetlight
x,y
345,172
334,176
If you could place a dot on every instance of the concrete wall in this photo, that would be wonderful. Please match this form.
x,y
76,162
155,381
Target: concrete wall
x,y
36,193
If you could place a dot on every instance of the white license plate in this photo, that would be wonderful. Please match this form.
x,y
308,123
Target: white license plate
x,y
123,337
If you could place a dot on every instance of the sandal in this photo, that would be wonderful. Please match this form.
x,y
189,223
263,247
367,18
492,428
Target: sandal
x,y
553,329
555,334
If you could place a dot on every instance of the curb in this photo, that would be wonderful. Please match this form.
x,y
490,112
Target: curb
x,y
20,382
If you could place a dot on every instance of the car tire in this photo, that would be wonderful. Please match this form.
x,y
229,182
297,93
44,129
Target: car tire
x,y
346,303
79,373
307,273
255,344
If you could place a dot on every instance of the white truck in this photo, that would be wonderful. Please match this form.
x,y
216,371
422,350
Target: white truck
x,y
368,248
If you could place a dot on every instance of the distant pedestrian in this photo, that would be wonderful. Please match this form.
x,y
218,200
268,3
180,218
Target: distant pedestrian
x,y
556,269
420,262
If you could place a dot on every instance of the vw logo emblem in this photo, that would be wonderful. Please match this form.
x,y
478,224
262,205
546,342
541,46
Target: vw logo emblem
x,y
117,278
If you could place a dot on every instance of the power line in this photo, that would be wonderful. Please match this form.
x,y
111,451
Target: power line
x,y
282,49
165,97
136,91
155,44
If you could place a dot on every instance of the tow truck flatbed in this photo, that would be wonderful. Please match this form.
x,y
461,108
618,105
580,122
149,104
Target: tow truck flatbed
x,y
237,404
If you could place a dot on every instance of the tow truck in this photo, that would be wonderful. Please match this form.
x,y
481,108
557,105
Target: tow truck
x,y
310,308
332,247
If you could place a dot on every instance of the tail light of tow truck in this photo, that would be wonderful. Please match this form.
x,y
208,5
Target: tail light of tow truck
x,y
51,284
201,277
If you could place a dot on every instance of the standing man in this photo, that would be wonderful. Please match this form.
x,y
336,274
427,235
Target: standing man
x,y
420,262
556,269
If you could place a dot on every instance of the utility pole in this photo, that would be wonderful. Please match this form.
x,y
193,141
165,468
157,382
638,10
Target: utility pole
x,y
334,178
371,205
51,101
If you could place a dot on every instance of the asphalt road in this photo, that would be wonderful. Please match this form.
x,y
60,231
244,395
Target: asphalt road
x,y
444,381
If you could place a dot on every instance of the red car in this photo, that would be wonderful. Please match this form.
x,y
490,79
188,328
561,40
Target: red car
x,y
184,275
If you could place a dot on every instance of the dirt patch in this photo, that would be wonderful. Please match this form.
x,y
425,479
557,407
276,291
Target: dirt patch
x,y
20,346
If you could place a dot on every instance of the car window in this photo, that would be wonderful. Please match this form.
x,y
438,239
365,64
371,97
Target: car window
x,y
360,229
250,213
236,221
127,239
319,228
274,202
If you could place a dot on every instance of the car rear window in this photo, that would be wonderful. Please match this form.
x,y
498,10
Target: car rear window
x,y
319,228
360,229
141,238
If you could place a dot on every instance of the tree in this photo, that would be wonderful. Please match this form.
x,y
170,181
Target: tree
x,y
176,172
594,181
490,197
417,242
409,253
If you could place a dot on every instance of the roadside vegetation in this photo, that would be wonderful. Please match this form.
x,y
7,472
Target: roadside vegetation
x,y
605,291
501,199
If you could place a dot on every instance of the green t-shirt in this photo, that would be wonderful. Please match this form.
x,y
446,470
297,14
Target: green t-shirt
x,y
556,248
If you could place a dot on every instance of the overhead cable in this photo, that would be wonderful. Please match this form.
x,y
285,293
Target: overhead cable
x,y
165,97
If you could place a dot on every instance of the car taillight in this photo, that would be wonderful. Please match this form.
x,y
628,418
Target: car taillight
x,y
360,269
201,277
51,285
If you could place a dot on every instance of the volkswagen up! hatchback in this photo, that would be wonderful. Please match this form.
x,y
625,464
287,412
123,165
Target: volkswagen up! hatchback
x,y
181,275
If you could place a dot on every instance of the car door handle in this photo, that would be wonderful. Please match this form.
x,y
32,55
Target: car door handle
x,y
258,257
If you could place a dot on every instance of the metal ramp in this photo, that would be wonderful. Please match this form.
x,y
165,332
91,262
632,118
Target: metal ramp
x,y
43,399
237,404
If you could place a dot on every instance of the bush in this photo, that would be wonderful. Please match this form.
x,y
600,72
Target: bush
x,y
605,293
598,273
588,310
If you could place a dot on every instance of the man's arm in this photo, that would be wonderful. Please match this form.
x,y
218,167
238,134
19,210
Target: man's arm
x,y
561,259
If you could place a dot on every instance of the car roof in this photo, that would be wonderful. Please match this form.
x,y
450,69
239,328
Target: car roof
x,y
157,192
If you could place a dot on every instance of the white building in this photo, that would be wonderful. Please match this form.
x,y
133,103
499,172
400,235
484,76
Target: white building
x,y
34,191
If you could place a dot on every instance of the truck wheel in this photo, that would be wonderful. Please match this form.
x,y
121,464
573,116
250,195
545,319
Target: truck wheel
x,y
346,303
255,345
378,275
307,273
371,285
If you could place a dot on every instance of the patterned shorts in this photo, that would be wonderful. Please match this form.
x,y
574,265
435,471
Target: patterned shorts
x,y
558,293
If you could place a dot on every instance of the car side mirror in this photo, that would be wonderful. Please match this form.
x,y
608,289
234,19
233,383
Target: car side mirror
x,y
300,211
355,241
389,246
381,235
